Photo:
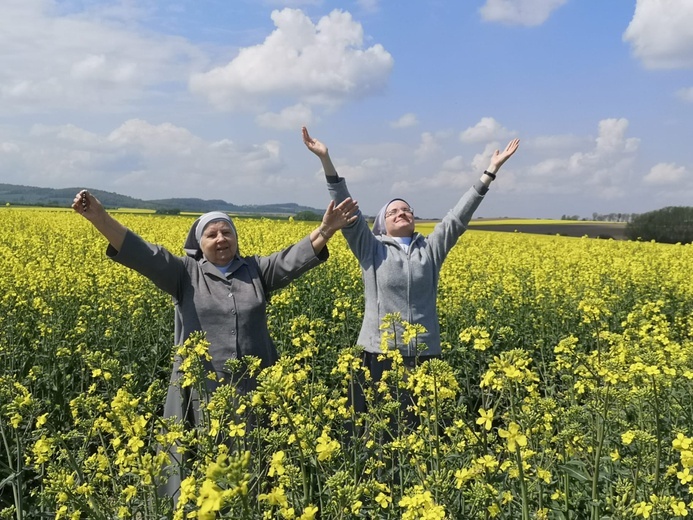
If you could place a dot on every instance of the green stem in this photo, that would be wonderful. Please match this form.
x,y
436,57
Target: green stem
x,y
520,469
659,435
566,490
523,484
436,432
597,458
16,484
352,392
306,493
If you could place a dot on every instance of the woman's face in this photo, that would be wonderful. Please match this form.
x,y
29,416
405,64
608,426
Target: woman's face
x,y
399,219
219,243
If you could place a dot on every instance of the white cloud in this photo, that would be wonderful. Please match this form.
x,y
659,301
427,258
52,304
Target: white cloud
x,y
428,146
487,129
661,33
454,174
686,94
481,160
290,118
9,148
602,171
519,12
665,173
406,121
324,63
56,60
454,164
612,139
548,167
372,170
156,161
96,68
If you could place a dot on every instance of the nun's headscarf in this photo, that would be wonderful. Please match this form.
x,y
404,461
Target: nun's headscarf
x,y
379,223
192,241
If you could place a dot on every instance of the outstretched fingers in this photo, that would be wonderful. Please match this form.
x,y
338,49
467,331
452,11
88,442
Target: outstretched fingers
x,y
512,147
349,208
499,157
342,214
313,145
306,137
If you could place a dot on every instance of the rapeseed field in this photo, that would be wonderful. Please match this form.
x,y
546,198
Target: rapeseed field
x,y
564,390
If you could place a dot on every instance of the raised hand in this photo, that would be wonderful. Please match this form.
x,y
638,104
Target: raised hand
x,y
499,157
87,205
313,145
90,208
341,215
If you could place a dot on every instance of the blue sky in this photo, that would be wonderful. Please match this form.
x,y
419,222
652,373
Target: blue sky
x,y
206,98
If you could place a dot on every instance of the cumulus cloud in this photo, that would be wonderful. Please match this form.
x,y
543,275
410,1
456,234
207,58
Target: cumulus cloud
x,y
612,138
324,63
665,173
603,170
519,12
158,161
486,129
453,174
481,160
55,59
406,121
289,118
428,146
373,170
660,33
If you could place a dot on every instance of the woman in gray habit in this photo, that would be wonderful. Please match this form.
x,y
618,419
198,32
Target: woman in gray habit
x,y
215,289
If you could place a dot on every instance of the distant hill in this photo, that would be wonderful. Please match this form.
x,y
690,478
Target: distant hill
x,y
34,196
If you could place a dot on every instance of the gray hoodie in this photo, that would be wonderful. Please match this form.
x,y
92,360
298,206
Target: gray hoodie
x,y
402,282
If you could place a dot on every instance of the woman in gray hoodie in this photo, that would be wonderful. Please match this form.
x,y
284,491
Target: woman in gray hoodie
x,y
401,267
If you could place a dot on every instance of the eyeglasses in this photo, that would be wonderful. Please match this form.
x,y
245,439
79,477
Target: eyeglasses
x,y
396,211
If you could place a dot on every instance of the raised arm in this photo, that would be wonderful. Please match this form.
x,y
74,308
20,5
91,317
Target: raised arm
x,y
321,151
90,208
446,233
356,231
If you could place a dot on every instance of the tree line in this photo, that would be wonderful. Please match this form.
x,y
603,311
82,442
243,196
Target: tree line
x,y
605,217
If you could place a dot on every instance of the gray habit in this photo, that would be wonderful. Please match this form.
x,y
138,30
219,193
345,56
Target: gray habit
x,y
230,309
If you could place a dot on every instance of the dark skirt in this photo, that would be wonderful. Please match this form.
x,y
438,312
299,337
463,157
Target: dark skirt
x,y
377,367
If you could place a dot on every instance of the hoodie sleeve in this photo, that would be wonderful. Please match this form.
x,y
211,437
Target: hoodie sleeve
x,y
358,235
446,233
